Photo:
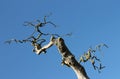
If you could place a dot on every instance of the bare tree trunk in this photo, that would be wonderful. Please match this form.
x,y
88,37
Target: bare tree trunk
x,y
68,58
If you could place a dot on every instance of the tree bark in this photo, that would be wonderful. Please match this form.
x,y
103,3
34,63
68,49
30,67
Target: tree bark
x,y
68,58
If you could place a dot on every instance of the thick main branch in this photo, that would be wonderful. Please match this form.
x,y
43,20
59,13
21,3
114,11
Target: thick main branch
x,y
68,58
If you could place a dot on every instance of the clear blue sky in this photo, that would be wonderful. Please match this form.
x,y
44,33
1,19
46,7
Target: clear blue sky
x,y
91,22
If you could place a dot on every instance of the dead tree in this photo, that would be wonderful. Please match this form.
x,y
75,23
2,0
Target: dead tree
x,y
68,58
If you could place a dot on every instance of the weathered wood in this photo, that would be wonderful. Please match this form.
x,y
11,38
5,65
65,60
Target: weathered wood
x,y
39,51
68,58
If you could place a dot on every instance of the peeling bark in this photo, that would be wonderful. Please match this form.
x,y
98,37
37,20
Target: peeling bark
x,y
68,58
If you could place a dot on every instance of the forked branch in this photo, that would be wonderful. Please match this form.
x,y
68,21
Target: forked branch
x,y
68,58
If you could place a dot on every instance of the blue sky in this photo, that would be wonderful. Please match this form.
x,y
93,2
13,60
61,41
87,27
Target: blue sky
x,y
91,22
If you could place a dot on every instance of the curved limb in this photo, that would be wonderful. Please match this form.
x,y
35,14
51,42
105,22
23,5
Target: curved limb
x,y
93,64
38,46
98,47
94,57
17,41
87,55
82,59
26,23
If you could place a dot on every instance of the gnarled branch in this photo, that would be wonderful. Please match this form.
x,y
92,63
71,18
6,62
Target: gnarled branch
x,y
39,51
68,58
